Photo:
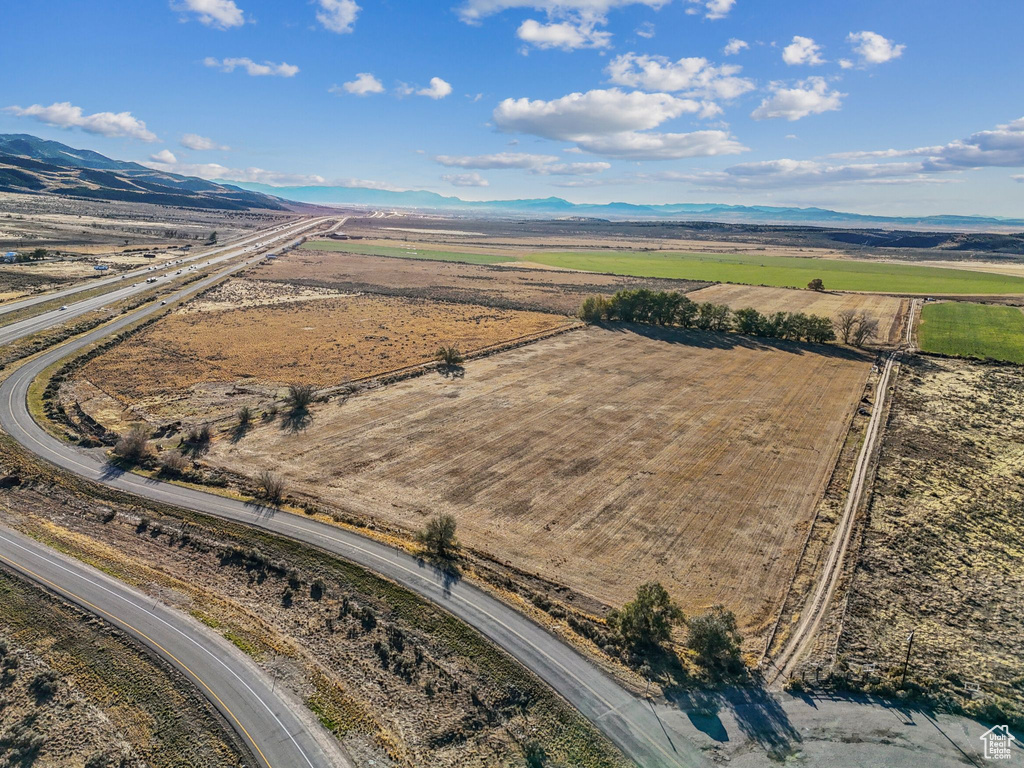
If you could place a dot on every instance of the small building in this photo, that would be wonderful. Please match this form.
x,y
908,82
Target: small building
x,y
101,267
10,257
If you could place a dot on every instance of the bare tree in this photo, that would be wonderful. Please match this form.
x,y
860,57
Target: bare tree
x,y
845,322
864,331
134,444
173,463
271,486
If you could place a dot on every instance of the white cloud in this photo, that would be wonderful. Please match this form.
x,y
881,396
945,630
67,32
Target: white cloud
x,y
437,89
695,76
200,143
713,9
472,11
566,35
803,50
846,64
466,180
1002,147
220,14
571,169
734,46
609,122
501,160
364,84
810,97
539,165
218,171
1019,178
337,15
64,114
164,156
266,69
873,48
646,30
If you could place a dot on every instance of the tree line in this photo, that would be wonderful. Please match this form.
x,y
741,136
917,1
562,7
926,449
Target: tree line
x,y
642,305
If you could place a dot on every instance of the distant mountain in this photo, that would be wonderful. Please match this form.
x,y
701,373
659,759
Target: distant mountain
x,y
556,206
32,165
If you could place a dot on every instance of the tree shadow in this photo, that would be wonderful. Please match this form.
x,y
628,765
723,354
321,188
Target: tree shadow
x,y
451,371
725,340
762,719
296,420
446,570
240,431
262,508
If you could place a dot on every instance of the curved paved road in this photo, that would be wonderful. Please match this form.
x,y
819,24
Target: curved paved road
x,y
270,725
631,723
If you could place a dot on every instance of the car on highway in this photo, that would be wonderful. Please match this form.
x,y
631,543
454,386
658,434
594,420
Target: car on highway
x,y
63,307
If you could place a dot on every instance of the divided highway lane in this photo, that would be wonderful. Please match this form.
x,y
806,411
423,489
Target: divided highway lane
x,y
632,723
143,272
20,329
269,725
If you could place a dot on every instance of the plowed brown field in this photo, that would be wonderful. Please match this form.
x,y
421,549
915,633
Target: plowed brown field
x,y
889,311
600,459
251,337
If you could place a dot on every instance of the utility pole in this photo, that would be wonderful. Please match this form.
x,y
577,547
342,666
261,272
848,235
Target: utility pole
x,y
906,661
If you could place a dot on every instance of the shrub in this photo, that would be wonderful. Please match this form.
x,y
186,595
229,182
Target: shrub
x,y
716,641
438,536
173,463
271,486
198,435
647,621
299,397
594,309
133,445
244,416
449,356
44,685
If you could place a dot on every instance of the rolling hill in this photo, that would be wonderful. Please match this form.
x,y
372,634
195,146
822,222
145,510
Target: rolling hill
x,y
36,166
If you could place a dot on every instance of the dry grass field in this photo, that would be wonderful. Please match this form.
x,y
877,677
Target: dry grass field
x,y
250,339
942,552
599,459
889,311
544,290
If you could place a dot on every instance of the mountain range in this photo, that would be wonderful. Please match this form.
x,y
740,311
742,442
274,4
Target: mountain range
x,y
558,207
36,166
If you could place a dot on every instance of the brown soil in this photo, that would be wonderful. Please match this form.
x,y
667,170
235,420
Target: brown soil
x,y
599,459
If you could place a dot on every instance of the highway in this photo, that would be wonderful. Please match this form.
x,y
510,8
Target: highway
x,y
40,322
632,723
277,731
142,272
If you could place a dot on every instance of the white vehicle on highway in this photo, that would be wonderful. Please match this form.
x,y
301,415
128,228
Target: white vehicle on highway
x,y
63,307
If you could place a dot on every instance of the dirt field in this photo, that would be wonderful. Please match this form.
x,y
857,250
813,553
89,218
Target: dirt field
x,y
511,287
942,553
400,682
599,459
888,310
248,339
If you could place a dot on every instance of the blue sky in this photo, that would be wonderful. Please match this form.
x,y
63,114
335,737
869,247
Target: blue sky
x,y
875,106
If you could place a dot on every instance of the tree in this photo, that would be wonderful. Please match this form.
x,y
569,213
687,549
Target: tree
x,y
749,321
714,638
845,322
212,238
244,416
299,397
647,621
686,312
271,486
438,536
864,331
816,284
594,309
133,445
38,254
449,356
173,463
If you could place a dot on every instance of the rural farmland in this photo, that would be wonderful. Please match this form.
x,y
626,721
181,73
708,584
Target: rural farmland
x,y
980,331
599,459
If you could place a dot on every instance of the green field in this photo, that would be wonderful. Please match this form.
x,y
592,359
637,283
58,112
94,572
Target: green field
x,y
410,252
973,330
788,272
